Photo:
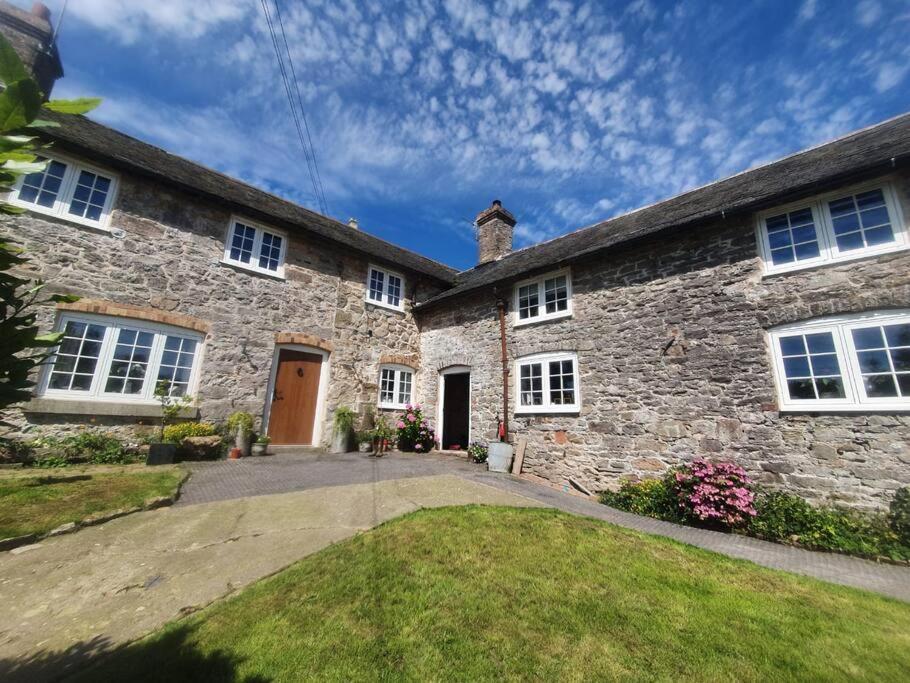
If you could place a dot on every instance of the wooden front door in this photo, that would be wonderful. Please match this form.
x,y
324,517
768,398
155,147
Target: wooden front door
x,y
293,412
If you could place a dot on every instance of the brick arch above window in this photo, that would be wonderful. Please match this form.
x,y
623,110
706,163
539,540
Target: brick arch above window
x,y
154,315
453,360
399,359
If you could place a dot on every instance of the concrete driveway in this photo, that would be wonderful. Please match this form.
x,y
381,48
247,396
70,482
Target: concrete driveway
x,y
72,597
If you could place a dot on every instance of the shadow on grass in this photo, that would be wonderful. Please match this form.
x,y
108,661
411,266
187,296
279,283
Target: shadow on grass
x,y
171,657
44,480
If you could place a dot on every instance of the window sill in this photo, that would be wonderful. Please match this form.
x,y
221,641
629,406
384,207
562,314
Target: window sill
x,y
74,406
388,307
870,409
101,226
552,410
389,406
865,254
542,319
253,271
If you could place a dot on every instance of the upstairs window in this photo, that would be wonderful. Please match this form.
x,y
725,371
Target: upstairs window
x,y
385,288
543,298
845,363
113,359
67,190
840,226
256,248
395,385
547,383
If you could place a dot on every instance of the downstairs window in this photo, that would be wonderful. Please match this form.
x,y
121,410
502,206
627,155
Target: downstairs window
x,y
395,386
547,383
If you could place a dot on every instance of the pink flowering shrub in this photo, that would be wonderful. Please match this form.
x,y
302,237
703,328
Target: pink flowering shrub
x,y
716,493
414,432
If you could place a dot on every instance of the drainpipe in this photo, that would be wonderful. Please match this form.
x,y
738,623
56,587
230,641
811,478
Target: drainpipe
x,y
501,305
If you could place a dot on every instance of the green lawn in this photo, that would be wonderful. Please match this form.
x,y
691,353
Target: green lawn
x,y
483,593
37,504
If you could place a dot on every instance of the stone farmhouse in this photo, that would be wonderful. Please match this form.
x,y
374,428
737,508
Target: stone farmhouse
x,y
764,318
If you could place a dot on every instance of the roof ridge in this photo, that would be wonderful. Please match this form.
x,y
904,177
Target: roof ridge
x,y
316,214
699,188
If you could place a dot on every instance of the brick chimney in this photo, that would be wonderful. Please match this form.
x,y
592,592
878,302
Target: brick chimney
x,y
32,37
494,232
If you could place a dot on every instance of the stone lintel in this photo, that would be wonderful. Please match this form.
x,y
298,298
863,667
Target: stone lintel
x,y
154,315
304,339
56,406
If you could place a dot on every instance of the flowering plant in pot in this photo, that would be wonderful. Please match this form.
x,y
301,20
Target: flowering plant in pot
x,y
414,432
477,451
240,424
383,436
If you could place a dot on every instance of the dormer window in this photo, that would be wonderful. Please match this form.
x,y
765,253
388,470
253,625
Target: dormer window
x,y
385,288
544,298
840,226
255,247
68,190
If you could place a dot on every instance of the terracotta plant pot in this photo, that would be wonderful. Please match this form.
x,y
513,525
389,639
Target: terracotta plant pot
x,y
235,454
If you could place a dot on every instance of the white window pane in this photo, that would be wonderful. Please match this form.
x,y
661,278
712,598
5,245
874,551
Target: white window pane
x,y
77,356
387,386
811,366
528,301
377,284
42,187
129,366
89,195
792,237
883,357
270,252
861,221
394,291
404,387
531,380
556,294
242,243
176,364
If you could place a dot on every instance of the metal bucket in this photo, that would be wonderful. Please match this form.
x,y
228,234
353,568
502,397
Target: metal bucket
x,y
499,457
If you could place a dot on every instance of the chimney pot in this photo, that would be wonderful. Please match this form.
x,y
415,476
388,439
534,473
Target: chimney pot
x,y
39,9
352,222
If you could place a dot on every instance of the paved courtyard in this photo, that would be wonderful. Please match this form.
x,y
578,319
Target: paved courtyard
x,y
71,597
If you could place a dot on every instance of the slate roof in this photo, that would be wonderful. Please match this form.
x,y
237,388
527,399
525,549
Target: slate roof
x,y
93,140
861,153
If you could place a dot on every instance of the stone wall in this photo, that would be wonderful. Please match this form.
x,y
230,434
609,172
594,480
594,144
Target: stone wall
x,y
169,259
674,363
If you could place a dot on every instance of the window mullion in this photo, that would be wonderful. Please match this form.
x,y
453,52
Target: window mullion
x,y
852,374
105,358
257,247
151,371
545,382
826,230
67,189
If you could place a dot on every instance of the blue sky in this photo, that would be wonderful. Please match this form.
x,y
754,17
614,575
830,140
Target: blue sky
x,y
423,112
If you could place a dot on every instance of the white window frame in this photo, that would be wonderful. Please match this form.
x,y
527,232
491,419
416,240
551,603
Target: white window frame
x,y
542,314
546,407
260,230
824,228
840,327
60,209
113,325
384,302
397,369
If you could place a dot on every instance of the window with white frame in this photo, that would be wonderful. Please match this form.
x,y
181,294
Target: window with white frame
x,y
385,288
256,248
547,383
543,298
844,363
112,359
838,226
68,190
395,386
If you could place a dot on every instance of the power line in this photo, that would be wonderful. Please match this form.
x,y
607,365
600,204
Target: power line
x,y
306,126
310,160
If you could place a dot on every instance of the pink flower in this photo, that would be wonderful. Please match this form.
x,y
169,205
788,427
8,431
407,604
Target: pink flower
x,y
400,424
418,447
411,417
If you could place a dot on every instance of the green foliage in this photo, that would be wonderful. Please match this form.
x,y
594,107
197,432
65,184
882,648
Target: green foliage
x,y
788,518
782,517
22,348
649,497
178,432
240,423
344,418
171,406
85,447
899,515
477,452
264,439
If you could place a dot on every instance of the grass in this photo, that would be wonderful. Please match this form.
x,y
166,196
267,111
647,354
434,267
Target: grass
x,y
37,504
497,593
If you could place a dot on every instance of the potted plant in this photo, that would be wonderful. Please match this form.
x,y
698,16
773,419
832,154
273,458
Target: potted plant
x,y
342,429
383,436
162,452
261,445
240,424
365,441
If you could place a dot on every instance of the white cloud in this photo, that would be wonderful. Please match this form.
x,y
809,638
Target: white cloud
x,y
889,75
868,12
807,10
